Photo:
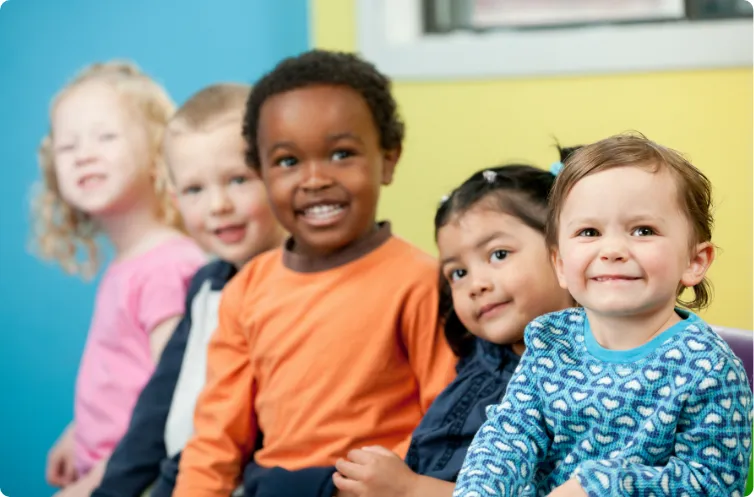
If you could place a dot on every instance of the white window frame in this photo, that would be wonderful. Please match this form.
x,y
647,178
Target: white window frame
x,y
405,52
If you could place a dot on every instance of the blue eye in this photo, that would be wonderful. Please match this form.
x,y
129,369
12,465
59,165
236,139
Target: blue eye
x,y
498,255
341,155
286,162
64,148
238,180
457,274
643,231
589,232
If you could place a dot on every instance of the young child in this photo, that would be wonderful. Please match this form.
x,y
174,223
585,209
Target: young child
x,y
224,206
629,395
497,274
332,341
102,173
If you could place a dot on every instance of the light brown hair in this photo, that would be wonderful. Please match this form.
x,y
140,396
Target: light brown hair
x,y
211,106
60,230
693,188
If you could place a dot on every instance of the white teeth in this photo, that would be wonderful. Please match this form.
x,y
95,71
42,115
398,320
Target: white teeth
x,y
322,211
95,178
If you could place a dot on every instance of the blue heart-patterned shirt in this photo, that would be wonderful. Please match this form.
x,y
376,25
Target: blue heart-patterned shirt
x,y
672,417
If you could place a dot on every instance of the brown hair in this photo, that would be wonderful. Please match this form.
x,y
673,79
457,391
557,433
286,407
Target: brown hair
x,y
211,106
694,189
60,230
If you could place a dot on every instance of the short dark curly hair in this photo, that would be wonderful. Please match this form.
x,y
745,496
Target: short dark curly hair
x,y
322,67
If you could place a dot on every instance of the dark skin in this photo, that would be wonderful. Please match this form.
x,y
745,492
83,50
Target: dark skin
x,y
322,166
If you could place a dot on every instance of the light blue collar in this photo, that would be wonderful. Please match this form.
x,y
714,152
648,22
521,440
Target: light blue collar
x,y
632,355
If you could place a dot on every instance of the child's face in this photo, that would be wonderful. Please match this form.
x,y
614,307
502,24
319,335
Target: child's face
x,y
322,165
499,272
222,201
623,242
101,151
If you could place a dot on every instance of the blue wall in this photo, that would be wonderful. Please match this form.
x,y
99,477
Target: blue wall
x,y
44,313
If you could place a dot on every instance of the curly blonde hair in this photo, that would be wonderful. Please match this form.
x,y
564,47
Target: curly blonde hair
x,y
60,230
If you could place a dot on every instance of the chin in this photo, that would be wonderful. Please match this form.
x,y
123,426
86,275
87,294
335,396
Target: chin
x,y
325,242
617,311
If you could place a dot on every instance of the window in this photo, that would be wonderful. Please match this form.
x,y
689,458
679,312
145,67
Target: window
x,y
442,16
431,39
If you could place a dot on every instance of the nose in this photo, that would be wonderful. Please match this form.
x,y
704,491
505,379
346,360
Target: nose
x,y
613,249
219,201
480,284
85,154
316,177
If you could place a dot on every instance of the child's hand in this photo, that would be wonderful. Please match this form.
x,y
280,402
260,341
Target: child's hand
x,y
61,470
78,489
373,472
571,488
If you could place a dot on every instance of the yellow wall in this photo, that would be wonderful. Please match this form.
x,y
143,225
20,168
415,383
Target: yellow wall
x,y
455,128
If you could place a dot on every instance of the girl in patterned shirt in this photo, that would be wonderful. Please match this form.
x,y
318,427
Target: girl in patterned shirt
x,y
630,394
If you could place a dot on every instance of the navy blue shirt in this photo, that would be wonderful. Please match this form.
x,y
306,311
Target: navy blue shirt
x,y
140,456
439,444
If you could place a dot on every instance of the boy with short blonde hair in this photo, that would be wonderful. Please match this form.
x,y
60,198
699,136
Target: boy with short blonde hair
x,y
225,209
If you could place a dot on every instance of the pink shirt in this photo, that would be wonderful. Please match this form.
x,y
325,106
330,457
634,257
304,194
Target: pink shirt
x,y
134,297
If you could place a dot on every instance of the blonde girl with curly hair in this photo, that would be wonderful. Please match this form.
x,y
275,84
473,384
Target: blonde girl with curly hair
x,y
103,178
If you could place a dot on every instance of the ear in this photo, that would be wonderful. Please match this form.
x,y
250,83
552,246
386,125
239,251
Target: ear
x,y
557,264
702,256
389,161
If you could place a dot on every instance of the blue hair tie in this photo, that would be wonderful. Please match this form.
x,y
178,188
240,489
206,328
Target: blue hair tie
x,y
556,168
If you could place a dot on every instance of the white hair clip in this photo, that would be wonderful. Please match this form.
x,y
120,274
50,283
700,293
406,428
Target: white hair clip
x,y
489,176
444,199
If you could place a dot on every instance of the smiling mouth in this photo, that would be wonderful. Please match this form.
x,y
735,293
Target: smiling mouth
x,y
610,278
91,180
323,215
232,233
492,309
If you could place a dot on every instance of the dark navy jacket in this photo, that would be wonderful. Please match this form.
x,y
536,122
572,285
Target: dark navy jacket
x,y
140,458
438,445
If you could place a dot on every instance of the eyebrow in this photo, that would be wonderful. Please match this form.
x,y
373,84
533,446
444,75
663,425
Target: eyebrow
x,y
639,218
284,145
330,138
342,136
481,243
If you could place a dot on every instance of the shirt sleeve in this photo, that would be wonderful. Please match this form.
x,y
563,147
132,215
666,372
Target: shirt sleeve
x,y
224,421
431,359
135,463
711,448
163,292
509,447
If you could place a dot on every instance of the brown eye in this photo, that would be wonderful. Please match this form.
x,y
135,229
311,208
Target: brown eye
x,y
643,231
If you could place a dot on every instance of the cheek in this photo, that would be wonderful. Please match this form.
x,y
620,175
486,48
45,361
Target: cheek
x,y
463,308
657,260
193,212
64,177
576,258
278,192
252,202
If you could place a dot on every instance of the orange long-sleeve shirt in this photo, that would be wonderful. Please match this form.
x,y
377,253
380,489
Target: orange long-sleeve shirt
x,y
320,356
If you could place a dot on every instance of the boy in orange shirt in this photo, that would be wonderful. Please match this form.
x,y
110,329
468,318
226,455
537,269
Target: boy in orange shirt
x,y
331,342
